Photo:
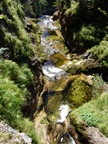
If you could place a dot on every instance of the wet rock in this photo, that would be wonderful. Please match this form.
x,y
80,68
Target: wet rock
x,y
37,90
61,133
56,15
72,131
94,136
55,132
52,31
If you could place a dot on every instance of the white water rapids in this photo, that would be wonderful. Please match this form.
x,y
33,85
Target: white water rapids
x,y
64,111
51,71
46,23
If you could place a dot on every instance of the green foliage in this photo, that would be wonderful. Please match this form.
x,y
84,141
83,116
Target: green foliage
x,y
73,9
28,127
93,113
40,5
98,86
83,28
15,76
14,81
89,118
13,95
21,75
11,100
21,50
84,36
100,52
14,35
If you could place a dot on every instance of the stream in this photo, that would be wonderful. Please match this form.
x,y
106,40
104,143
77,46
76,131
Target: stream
x,y
53,73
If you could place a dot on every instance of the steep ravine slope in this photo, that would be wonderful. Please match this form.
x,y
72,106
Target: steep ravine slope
x,y
84,26
21,76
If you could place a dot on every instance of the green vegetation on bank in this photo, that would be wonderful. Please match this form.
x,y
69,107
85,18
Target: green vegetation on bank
x,y
34,7
13,32
86,27
16,53
95,112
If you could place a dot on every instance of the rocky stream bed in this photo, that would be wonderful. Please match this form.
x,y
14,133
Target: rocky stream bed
x,y
67,88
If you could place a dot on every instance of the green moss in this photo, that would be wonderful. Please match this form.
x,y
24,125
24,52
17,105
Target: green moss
x,y
78,92
54,102
59,59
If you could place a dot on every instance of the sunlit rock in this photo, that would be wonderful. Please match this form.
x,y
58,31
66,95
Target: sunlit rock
x,y
9,135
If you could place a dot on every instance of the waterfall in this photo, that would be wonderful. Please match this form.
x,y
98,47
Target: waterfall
x,y
64,111
69,139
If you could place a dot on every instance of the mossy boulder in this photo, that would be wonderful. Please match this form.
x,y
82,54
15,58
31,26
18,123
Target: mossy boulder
x,y
78,92
74,90
59,59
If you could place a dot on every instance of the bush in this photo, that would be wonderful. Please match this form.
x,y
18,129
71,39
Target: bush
x,y
21,75
100,52
98,86
14,35
13,95
11,100
93,113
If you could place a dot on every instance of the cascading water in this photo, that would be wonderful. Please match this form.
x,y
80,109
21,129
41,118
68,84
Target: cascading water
x,y
64,111
46,23
49,69
53,73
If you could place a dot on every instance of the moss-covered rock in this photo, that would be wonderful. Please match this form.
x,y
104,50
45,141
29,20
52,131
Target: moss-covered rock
x,y
74,90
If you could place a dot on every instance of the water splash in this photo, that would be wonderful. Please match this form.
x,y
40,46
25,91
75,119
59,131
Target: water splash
x,y
51,71
67,139
64,111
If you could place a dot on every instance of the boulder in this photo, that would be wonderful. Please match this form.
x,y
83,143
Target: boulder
x,y
56,15
9,135
94,136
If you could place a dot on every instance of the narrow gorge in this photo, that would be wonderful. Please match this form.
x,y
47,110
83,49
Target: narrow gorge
x,y
53,72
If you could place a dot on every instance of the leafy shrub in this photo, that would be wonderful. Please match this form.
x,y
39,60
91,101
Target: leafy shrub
x,y
13,95
93,113
14,35
100,52
98,86
11,100
89,118
21,75
82,23
15,75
